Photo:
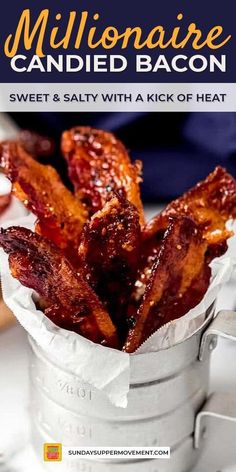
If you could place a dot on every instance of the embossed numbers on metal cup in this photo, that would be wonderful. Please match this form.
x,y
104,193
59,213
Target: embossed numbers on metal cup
x,y
167,390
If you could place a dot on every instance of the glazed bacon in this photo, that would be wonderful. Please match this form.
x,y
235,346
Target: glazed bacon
x,y
123,276
98,163
149,252
60,215
70,302
179,279
110,251
210,204
4,202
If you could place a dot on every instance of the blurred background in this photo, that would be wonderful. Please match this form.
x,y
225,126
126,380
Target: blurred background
x,y
177,149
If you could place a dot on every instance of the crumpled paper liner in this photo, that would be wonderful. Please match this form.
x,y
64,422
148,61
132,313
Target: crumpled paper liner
x,y
104,368
5,185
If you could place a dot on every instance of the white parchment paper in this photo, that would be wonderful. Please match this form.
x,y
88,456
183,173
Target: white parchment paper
x,y
5,185
106,369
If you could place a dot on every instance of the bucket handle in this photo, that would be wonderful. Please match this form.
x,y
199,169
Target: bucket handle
x,y
223,325
218,405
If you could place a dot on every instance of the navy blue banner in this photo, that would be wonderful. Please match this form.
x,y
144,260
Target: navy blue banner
x,y
117,41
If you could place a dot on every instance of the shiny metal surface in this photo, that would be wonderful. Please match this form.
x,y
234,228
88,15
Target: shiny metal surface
x,y
167,390
219,406
223,325
183,459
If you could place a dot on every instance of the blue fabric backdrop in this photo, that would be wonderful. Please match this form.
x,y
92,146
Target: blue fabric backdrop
x,y
177,149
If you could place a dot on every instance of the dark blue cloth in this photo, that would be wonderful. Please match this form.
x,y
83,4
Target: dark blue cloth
x,y
177,149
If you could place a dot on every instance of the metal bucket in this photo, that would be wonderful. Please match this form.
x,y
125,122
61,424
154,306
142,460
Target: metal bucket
x,y
166,403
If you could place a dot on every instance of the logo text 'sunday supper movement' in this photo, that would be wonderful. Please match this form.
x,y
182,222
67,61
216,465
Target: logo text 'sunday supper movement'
x,y
81,28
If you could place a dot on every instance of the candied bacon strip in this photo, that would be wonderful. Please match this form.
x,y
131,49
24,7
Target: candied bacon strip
x,y
60,216
180,277
210,204
4,202
70,302
109,252
98,163
149,252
